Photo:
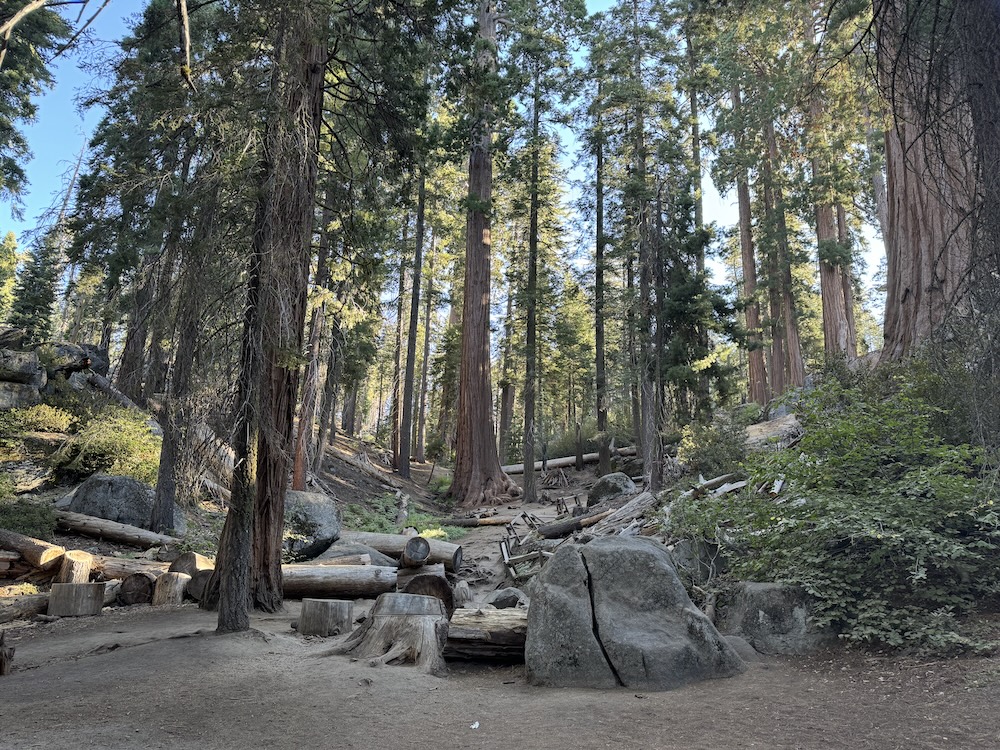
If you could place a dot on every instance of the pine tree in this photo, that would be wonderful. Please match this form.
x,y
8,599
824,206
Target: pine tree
x,y
35,290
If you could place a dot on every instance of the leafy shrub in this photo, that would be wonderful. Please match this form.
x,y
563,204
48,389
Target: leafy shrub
x,y
38,418
887,526
713,449
25,516
115,441
379,516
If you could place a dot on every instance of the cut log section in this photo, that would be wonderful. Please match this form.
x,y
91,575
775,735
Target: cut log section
x,y
402,628
22,607
318,581
137,588
364,559
461,593
75,567
169,589
76,599
568,526
325,617
495,635
191,563
393,544
123,567
432,585
199,584
415,552
405,575
36,552
117,532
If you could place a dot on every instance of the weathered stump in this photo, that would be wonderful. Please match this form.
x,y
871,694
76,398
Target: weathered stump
x,y
169,589
76,599
137,588
433,585
325,617
401,628
75,567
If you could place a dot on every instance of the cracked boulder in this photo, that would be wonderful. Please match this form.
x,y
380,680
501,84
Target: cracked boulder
x,y
610,487
614,613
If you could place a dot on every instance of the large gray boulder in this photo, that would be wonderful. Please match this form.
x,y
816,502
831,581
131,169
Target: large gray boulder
x,y
614,613
18,395
121,499
772,617
21,367
312,521
609,487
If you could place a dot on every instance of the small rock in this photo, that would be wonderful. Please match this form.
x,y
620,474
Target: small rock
x,y
507,598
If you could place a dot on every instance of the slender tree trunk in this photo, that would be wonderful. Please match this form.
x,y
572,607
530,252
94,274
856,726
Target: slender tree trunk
x,y
531,302
507,387
478,478
601,242
397,360
411,337
328,411
425,364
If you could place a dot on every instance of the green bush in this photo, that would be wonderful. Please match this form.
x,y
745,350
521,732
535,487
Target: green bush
x,y
888,527
115,441
38,418
713,449
25,516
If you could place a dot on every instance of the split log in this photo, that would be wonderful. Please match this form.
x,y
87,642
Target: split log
x,y
123,567
470,523
634,509
393,544
341,549
364,559
336,580
325,617
76,599
199,584
169,589
22,607
9,556
495,635
75,567
137,588
462,594
111,589
428,584
415,552
6,656
117,532
401,628
36,552
191,563
405,575
566,462
568,526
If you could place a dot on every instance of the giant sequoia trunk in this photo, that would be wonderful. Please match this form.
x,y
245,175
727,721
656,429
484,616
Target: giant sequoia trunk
x,y
478,478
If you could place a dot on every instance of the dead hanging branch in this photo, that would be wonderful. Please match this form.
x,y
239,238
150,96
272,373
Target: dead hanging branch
x,y
184,30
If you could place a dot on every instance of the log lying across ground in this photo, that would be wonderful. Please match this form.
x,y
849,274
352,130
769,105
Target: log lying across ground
x,y
34,551
487,635
470,523
558,529
123,567
117,532
322,581
393,545
566,461
22,607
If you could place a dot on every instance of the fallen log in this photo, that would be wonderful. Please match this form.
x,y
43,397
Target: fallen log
x,y
470,523
320,581
199,584
36,552
495,635
566,462
191,563
325,617
635,508
568,526
104,385
363,559
405,575
393,544
137,588
123,567
415,552
169,589
339,550
117,532
22,607
75,568
76,599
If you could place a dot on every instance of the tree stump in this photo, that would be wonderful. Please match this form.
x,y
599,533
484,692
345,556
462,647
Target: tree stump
x,y
199,584
169,589
401,628
137,588
433,585
76,599
415,552
75,567
325,617
191,563
6,656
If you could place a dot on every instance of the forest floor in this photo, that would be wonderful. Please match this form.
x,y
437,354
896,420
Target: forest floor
x,y
140,677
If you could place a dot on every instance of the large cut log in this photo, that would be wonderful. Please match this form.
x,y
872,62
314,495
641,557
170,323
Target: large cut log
x,y
22,607
393,544
320,581
116,532
405,575
364,559
415,552
75,567
198,584
325,617
402,628
565,462
470,523
76,599
6,656
36,552
191,563
137,588
169,589
568,526
495,635
123,567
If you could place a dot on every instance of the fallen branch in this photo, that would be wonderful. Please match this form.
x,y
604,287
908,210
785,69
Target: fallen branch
x,y
118,532
568,526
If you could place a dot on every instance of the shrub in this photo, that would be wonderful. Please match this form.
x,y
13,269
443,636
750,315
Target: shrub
x,y
25,516
38,418
887,526
115,441
714,449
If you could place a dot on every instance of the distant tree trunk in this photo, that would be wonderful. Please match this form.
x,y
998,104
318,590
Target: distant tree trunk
x,y
634,375
397,366
348,419
328,411
478,478
531,304
128,379
757,372
507,386
601,243
406,420
425,364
